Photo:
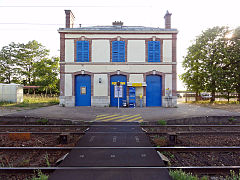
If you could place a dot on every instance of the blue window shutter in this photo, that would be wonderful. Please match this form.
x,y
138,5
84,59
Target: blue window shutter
x,y
154,53
82,51
157,51
118,51
115,51
121,47
150,51
85,51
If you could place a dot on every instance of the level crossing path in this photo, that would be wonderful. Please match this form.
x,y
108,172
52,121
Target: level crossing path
x,y
106,155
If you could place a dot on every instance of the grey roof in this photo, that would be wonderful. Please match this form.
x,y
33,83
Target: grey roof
x,y
117,28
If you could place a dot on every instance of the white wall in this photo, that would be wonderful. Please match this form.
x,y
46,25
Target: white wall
x,y
136,51
168,82
125,68
68,85
136,78
100,89
11,93
100,51
167,51
115,35
69,50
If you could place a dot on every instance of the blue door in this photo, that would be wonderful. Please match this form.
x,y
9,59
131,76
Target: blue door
x,y
83,90
123,81
154,90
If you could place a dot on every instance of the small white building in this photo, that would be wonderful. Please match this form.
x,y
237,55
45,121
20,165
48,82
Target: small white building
x,y
94,59
11,93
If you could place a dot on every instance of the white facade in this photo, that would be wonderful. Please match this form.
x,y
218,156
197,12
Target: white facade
x,y
100,66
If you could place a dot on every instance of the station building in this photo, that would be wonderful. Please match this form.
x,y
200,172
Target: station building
x,y
94,59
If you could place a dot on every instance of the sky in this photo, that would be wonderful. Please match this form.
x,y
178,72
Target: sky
x,y
26,20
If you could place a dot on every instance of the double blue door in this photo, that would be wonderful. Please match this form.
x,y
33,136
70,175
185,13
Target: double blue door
x,y
113,90
154,90
83,90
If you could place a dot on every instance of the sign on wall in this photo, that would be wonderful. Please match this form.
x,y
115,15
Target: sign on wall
x,y
118,91
83,90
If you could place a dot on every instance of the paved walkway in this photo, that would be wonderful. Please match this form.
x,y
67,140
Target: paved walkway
x,y
108,114
113,163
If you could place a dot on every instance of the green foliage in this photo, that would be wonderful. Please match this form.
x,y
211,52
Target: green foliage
x,y
33,102
180,175
42,121
29,64
212,63
161,122
39,176
233,176
47,160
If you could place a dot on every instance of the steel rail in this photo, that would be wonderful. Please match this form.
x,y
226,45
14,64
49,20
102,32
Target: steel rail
x,y
138,125
175,149
148,133
199,169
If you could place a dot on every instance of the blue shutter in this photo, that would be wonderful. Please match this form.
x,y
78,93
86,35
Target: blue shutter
x,y
115,51
82,51
121,52
150,51
85,51
118,51
154,53
157,51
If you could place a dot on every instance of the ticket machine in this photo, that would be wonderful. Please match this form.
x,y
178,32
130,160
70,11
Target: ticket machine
x,y
132,97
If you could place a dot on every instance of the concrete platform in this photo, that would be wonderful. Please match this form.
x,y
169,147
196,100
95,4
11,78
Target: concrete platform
x,y
115,158
145,114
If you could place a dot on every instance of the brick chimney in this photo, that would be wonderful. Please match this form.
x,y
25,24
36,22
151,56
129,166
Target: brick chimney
x,y
69,19
167,18
117,23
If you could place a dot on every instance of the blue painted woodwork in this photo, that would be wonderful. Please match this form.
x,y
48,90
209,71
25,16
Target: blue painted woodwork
x,y
154,90
82,51
114,79
154,51
118,51
83,90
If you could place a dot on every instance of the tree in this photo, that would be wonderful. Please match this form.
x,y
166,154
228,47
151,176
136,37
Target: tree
x,y
8,67
205,61
234,64
47,71
29,54
192,77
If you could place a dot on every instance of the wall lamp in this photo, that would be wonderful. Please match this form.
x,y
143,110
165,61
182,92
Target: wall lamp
x,y
100,80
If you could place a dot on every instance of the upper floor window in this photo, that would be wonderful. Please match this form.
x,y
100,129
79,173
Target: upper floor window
x,y
82,51
118,51
154,51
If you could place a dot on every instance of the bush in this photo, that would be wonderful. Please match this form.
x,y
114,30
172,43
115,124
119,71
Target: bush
x,y
161,122
180,175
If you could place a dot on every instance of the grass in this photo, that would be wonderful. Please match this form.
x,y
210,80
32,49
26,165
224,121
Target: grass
x,y
161,122
39,176
215,102
181,175
32,102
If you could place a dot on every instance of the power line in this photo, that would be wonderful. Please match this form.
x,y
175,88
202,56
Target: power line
x,y
32,24
138,6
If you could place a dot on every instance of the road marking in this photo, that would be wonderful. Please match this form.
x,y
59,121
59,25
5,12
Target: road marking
x,y
137,139
114,139
140,118
100,115
105,117
91,139
129,117
118,117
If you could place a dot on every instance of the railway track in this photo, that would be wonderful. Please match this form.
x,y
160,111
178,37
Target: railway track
x,y
149,129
